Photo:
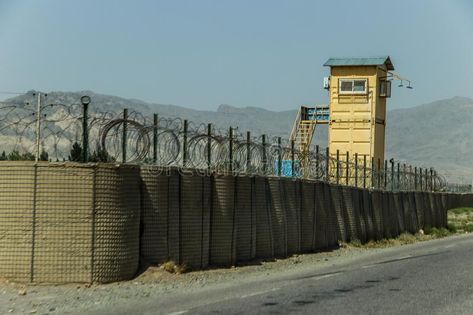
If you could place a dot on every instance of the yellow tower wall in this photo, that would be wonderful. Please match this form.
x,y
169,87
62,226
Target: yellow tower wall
x,y
357,121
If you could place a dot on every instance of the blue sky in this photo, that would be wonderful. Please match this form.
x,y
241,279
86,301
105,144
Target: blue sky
x,y
204,53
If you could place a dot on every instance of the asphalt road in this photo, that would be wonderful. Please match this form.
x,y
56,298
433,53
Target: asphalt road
x,y
434,277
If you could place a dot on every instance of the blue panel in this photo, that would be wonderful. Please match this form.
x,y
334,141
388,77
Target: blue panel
x,y
286,168
318,114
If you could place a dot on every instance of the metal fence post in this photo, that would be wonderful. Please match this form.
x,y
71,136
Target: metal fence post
x,y
124,137
155,138
364,171
263,140
372,172
347,170
184,144
230,150
398,176
426,180
292,159
338,168
356,169
85,132
415,178
38,128
327,165
422,184
209,147
431,179
317,163
379,173
385,174
420,178
409,180
279,156
248,151
392,174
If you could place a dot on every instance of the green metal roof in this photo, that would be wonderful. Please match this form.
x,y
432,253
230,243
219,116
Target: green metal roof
x,y
370,61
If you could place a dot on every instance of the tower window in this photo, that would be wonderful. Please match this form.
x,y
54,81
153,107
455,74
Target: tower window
x,y
385,88
353,86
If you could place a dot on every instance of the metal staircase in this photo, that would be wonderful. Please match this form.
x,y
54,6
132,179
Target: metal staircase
x,y
304,126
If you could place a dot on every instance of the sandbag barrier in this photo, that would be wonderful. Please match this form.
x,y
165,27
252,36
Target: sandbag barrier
x,y
94,223
69,222
308,218
264,231
225,220
245,220
338,205
322,237
360,214
368,214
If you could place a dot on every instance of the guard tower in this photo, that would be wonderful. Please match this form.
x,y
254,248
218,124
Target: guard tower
x,y
358,89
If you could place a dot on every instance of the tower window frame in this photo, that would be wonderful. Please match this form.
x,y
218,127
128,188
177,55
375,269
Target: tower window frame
x,y
385,88
358,86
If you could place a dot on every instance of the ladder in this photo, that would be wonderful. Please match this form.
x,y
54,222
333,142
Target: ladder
x,y
304,126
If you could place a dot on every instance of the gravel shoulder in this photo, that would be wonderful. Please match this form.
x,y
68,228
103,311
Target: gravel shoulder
x,y
155,284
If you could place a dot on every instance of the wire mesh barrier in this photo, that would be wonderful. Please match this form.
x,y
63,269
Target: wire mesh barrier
x,y
72,222
68,223
266,218
60,132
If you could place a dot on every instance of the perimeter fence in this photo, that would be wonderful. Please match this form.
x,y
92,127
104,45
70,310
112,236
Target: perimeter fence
x,y
71,132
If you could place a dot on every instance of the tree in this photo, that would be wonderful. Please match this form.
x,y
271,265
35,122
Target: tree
x,y
14,156
76,153
101,155
3,157
27,156
44,156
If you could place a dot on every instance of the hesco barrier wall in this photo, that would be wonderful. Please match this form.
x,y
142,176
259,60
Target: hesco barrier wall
x,y
64,223
224,220
72,222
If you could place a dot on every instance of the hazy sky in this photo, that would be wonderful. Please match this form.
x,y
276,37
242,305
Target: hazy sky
x,y
204,53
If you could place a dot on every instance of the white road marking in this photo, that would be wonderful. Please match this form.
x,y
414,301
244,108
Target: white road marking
x,y
450,246
178,312
367,266
326,276
258,293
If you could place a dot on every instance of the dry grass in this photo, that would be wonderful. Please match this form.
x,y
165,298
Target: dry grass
x,y
172,267
403,239
461,220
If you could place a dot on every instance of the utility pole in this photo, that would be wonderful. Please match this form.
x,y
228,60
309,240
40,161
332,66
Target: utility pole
x,y
38,127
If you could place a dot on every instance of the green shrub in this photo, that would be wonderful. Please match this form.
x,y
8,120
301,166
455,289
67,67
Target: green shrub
x,y
452,227
461,210
468,227
435,232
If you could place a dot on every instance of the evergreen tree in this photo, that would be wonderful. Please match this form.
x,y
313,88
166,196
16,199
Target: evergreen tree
x,y
27,156
44,156
76,153
14,156
101,155
3,157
